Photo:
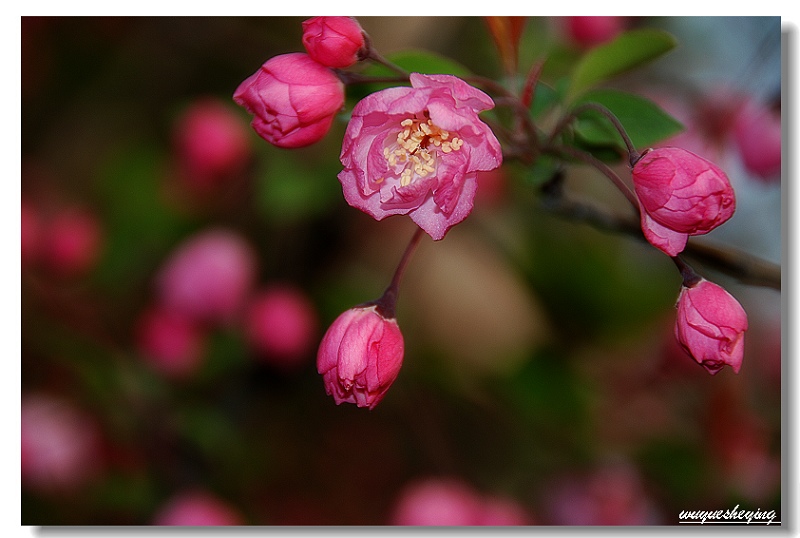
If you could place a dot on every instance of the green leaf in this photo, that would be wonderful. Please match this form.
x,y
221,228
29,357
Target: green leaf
x,y
628,51
429,63
644,121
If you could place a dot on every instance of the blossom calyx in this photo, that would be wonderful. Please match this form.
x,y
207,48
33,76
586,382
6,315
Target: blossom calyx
x,y
710,326
293,100
334,41
360,356
417,151
680,194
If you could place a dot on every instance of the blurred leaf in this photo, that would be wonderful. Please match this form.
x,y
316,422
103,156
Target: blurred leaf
x,y
429,63
644,121
545,97
628,51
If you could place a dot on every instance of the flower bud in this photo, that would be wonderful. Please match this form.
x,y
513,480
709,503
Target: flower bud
x,y
208,277
197,508
72,242
293,100
710,326
172,343
680,194
211,143
437,502
281,325
757,132
360,356
590,31
333,41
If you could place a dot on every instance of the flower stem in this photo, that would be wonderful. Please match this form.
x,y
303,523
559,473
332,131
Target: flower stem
x,y
387,303
633,155
690,277
603,167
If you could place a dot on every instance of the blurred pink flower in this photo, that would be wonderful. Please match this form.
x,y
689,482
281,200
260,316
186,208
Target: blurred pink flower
x,y
613,495
451,502
680,194
591,31
441,502
172,343
197,508
211,143
417,151
281,325
72,240
710,326
30,233
293,100
360,356
757,133
60,444
333,41
208,277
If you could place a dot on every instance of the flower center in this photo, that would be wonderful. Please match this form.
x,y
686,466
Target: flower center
x,y
417,147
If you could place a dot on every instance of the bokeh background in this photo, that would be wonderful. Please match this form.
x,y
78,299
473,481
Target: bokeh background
x,y
541,379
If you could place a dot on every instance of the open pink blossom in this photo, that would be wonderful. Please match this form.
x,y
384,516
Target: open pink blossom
x,y
710,326
417,151
292,98
360,356
680,194
333,41
757,133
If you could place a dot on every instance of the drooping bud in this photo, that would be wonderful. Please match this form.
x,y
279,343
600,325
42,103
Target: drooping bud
x,y
360,356
680,194
334,41
293,100
710,326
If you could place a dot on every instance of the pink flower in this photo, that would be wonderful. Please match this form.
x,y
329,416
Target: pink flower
x,y
333,41
503,511
440,502
30,233
591,31
281,324
208,277
710,326
72,242
757,133
360,356
59,444
197,508
293,100
680,194
171,342
211,143
417,151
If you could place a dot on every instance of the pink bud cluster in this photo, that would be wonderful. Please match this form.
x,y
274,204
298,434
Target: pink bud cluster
x,y
451,502
682,194
294,97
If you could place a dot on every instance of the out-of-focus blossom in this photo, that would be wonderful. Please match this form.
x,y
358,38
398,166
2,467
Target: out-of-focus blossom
x,y
613,495
680,194
281,325
197,508
333,41
293,100
30,233
417,151
757,133
60,444
710,326
211,143
71,242
451,502
172,343
360,356
591,31
209,276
